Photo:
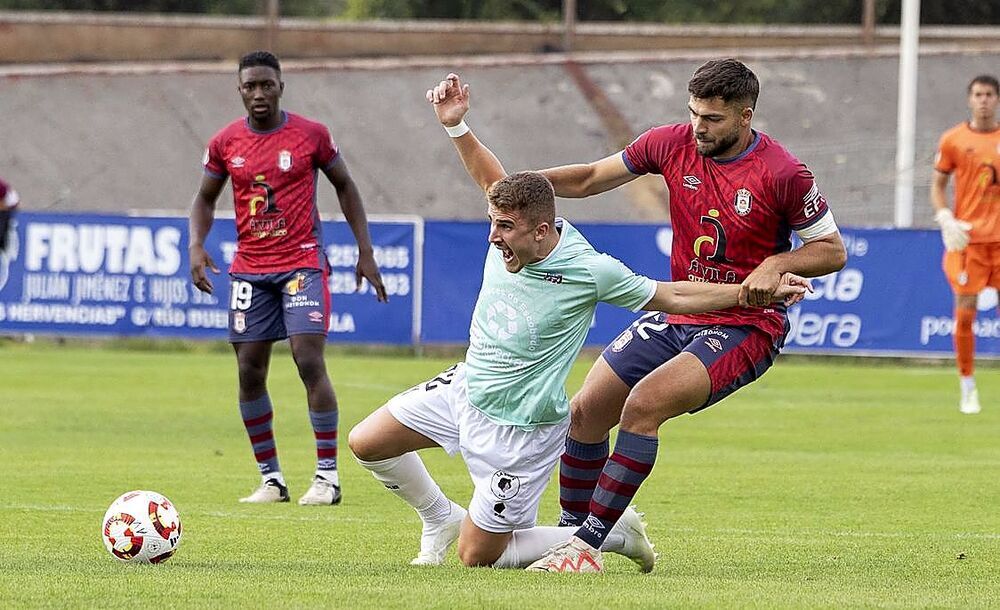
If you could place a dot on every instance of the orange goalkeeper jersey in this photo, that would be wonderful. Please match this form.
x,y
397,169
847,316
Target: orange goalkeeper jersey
x,y
974,158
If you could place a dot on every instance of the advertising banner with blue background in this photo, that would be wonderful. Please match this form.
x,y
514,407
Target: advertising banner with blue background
x,y
128,276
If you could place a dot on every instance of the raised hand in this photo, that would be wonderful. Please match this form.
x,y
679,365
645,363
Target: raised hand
x,y
451,100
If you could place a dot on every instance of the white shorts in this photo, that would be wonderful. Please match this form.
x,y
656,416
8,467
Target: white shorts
x,y
510,466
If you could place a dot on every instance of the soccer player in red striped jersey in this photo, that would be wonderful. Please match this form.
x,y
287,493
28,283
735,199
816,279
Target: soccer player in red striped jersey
x,y
736,195
279,285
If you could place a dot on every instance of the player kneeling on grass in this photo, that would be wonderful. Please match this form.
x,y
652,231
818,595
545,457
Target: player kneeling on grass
x,y
505,407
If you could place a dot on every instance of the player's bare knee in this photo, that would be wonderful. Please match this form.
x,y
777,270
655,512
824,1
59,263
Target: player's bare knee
x,y
472,555
362,443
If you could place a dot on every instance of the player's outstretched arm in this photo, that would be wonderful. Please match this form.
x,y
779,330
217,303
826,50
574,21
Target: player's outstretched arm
x,y
354,211
199,224
450,99
586,179
699,297
818,257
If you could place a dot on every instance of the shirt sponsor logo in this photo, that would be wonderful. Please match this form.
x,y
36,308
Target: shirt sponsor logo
x,y
743,202
691,182
238,162
285,160
622,341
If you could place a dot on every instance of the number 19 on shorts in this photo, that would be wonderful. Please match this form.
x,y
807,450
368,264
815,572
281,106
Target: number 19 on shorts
x,y
240,292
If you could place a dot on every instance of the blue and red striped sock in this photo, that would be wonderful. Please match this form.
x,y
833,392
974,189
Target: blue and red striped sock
x,y
324,425
579,469
257,415
625,471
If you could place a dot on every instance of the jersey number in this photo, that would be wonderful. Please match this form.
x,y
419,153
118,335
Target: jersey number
x,y
445,378
241,293
267,199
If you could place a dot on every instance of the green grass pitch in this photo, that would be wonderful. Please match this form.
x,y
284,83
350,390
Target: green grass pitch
x,y
824,484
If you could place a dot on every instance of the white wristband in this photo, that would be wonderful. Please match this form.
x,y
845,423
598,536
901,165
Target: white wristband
x,y
457,131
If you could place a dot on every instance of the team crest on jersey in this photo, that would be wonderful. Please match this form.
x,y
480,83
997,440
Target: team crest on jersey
x,y
239,322
285,160
742,202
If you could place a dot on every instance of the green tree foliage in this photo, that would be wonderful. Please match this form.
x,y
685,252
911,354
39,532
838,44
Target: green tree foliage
x,y
956,12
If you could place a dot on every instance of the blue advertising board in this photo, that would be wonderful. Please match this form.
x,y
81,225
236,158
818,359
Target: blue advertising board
x,y
118,275
123,275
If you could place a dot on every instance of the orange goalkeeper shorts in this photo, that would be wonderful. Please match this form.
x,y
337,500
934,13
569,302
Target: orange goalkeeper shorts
x,y
974,268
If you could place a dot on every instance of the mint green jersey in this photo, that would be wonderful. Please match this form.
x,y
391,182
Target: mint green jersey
x,y
528,327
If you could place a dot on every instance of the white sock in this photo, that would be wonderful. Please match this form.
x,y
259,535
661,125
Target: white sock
x,y
967,383
264,478
527,546
407,477
330,476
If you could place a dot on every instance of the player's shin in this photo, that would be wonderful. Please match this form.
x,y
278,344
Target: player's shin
x,y
579,469
527,546
627,468
406,477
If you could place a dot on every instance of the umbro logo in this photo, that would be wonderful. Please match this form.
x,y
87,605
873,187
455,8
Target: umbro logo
x,y
691,182
238,162
594,525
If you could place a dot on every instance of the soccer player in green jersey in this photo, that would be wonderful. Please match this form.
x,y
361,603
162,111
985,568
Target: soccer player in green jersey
x,y
505,407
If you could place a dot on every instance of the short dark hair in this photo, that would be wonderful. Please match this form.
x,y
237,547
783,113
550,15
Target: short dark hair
x,y
985,79
259,58
528,193
728,79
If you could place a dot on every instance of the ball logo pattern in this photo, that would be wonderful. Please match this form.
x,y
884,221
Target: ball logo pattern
x,y
141,527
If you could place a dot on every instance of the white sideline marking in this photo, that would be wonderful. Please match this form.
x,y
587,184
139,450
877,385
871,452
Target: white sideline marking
x,y
62,508
790,535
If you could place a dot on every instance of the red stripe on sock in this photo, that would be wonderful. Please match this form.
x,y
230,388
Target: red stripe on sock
x,y
326,436
605,513
576,462
265,455
263,436
616,487
256,421
576,507
326,452
631,464
570,483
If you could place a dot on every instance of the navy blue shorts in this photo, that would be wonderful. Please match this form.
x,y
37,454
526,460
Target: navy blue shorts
x,y
273,306
734,355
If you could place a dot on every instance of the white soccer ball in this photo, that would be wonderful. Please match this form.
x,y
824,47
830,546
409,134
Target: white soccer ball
x,y
141,527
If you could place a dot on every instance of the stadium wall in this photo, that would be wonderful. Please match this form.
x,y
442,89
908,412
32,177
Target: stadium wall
x,y
71,37
109,138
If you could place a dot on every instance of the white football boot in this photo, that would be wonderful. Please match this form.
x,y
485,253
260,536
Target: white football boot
x,y
628,538
437,538
970,402
320,493
270,491
573,556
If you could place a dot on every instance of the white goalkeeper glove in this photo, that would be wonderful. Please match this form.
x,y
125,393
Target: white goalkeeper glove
x,y
954,233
